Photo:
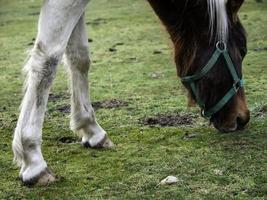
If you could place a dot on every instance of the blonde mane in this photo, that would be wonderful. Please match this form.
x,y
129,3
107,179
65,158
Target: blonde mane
x,y
218,19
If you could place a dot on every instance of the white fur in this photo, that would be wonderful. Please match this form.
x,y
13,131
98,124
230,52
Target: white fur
x,y
217,11
82,113
61,28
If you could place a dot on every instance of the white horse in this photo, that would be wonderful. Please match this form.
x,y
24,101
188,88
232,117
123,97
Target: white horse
x,y
62,30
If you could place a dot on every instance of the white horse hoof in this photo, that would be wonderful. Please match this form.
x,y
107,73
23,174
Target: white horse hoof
x,y
104,143
45,178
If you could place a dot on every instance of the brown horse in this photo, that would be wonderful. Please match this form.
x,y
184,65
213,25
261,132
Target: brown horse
x,y
210,45
195,28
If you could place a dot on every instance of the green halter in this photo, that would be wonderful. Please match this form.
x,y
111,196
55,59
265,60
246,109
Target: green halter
x,y
238,83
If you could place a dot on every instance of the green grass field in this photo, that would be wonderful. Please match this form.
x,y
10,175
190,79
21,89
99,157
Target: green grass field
x,y
140,79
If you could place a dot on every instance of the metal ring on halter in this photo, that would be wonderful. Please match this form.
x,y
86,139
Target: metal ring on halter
x,y
221,46
237,86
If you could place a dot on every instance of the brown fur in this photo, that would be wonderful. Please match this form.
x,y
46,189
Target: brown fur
x,y
187,22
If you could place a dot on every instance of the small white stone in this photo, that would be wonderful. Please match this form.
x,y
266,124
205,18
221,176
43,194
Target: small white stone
x,y
169,180
218,172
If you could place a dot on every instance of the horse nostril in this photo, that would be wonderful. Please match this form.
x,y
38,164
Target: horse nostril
x,y
241,122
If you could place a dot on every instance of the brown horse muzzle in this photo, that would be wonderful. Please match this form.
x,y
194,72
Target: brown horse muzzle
x,y
235,120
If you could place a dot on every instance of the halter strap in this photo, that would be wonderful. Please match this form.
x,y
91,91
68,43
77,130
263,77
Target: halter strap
x,y
238,83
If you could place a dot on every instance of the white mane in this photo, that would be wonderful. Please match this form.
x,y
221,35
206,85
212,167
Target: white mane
x,y
217,11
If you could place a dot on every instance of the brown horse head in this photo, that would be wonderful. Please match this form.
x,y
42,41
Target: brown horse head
x,y
195,27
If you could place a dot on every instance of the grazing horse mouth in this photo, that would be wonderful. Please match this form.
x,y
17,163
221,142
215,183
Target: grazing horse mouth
x,y
220,51
238,124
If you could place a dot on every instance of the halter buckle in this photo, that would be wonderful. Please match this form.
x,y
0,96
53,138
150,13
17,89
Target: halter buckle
x,y
237,86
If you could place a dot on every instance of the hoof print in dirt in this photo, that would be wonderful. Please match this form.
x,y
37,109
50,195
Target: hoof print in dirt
x,y
169,120
109,104
67,140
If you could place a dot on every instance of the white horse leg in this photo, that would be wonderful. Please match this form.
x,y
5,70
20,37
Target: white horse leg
x,y
56,23
82,114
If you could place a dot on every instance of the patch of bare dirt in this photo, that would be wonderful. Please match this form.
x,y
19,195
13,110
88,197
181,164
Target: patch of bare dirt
x,y
169,120
53,97
64,109
108,104
113,103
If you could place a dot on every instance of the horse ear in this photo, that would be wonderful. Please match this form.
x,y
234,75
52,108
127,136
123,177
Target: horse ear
x,y
234,6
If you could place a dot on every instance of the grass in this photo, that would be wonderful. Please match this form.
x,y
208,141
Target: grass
x,y
208,165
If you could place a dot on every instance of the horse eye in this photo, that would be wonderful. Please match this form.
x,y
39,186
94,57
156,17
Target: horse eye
x,y
243,51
